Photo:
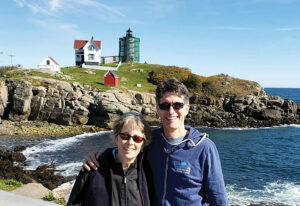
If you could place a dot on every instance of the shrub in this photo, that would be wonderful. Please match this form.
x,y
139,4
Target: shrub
x,y
160,74
210,87
48,197
193,83
9,184
60,201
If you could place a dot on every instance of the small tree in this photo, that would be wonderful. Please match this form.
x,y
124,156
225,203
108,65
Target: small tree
x,y
193,83
160,74
210,87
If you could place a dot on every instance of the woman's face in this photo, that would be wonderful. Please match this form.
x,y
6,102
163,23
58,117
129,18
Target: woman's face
x,y
129,149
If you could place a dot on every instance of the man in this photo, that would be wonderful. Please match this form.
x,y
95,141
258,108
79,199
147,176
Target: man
x,y
185,163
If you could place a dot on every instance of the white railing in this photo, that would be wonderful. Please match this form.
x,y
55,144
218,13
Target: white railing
x,y
120,62
98,67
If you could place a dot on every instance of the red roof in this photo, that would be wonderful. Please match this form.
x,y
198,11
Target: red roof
x,y
79,44
112,73
53,61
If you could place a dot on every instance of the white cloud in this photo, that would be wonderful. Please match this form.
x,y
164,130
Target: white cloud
x,y
38,9
70,30
290,40
273,1
162,7
289,29
136,22
233,28
33,6
68,27
55,4
19,3
50,7
100,5
265,1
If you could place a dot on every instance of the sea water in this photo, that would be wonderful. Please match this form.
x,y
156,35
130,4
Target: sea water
x,y
260,166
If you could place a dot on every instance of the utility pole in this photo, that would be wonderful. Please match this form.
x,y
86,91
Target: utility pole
x,y
11,59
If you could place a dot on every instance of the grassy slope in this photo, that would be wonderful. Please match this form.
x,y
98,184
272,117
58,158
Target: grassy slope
x,y
223,85
132,78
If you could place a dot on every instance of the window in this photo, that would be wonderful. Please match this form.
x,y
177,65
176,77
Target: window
x,y
91,48
91,56
48,62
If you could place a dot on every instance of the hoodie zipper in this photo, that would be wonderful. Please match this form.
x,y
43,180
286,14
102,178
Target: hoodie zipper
x,y
125,186
165,180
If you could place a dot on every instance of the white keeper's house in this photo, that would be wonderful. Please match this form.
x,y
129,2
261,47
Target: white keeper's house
x,y
49,63
87,52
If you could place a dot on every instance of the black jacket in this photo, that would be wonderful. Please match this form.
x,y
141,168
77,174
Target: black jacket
x,y
104,186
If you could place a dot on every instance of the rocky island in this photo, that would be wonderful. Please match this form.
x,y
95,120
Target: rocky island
x,y
61,108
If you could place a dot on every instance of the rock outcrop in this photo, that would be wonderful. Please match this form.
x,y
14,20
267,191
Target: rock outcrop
x,y
34,190
70,104
66,103
11,167
244,111
64,190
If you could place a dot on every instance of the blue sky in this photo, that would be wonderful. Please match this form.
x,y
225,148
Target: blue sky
x,y
256,40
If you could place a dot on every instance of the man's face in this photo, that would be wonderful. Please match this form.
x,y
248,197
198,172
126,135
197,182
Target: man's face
x,y
172,118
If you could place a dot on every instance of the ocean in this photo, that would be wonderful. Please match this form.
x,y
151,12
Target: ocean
x,y
285,93
260,166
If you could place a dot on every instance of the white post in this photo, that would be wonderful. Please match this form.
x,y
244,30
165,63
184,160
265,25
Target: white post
x,y
118,65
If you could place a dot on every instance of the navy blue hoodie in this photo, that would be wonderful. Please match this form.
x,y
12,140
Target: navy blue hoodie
x,y
187,174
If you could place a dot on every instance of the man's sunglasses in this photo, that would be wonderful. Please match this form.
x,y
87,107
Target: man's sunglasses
x,y
166,106
136,138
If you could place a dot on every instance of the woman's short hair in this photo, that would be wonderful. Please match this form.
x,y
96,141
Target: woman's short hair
x,y
174,86
138,122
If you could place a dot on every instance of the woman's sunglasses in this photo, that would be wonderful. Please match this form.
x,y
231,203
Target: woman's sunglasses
x,y
166,106
136,138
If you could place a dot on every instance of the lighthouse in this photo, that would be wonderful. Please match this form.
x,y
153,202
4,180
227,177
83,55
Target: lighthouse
x,y
129,48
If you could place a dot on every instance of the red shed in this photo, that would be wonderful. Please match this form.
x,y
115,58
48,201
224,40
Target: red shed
x,y
111,79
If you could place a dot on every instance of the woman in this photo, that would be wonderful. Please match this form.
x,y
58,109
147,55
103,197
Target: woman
x,y
120,179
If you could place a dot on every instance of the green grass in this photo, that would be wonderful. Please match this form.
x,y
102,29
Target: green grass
x,y
48,197
60,201
9,184
24,75
127,78
51,198
213,86
80,75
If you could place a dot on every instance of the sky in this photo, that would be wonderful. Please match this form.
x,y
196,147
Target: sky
x,y
257,40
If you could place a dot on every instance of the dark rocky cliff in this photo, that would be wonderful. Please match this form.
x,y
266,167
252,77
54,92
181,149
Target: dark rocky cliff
x,y
72,104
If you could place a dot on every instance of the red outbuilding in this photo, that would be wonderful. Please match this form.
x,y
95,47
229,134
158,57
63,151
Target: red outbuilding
x,y
111,79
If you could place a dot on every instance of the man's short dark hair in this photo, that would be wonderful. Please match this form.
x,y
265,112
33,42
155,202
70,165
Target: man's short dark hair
x,y
174,86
